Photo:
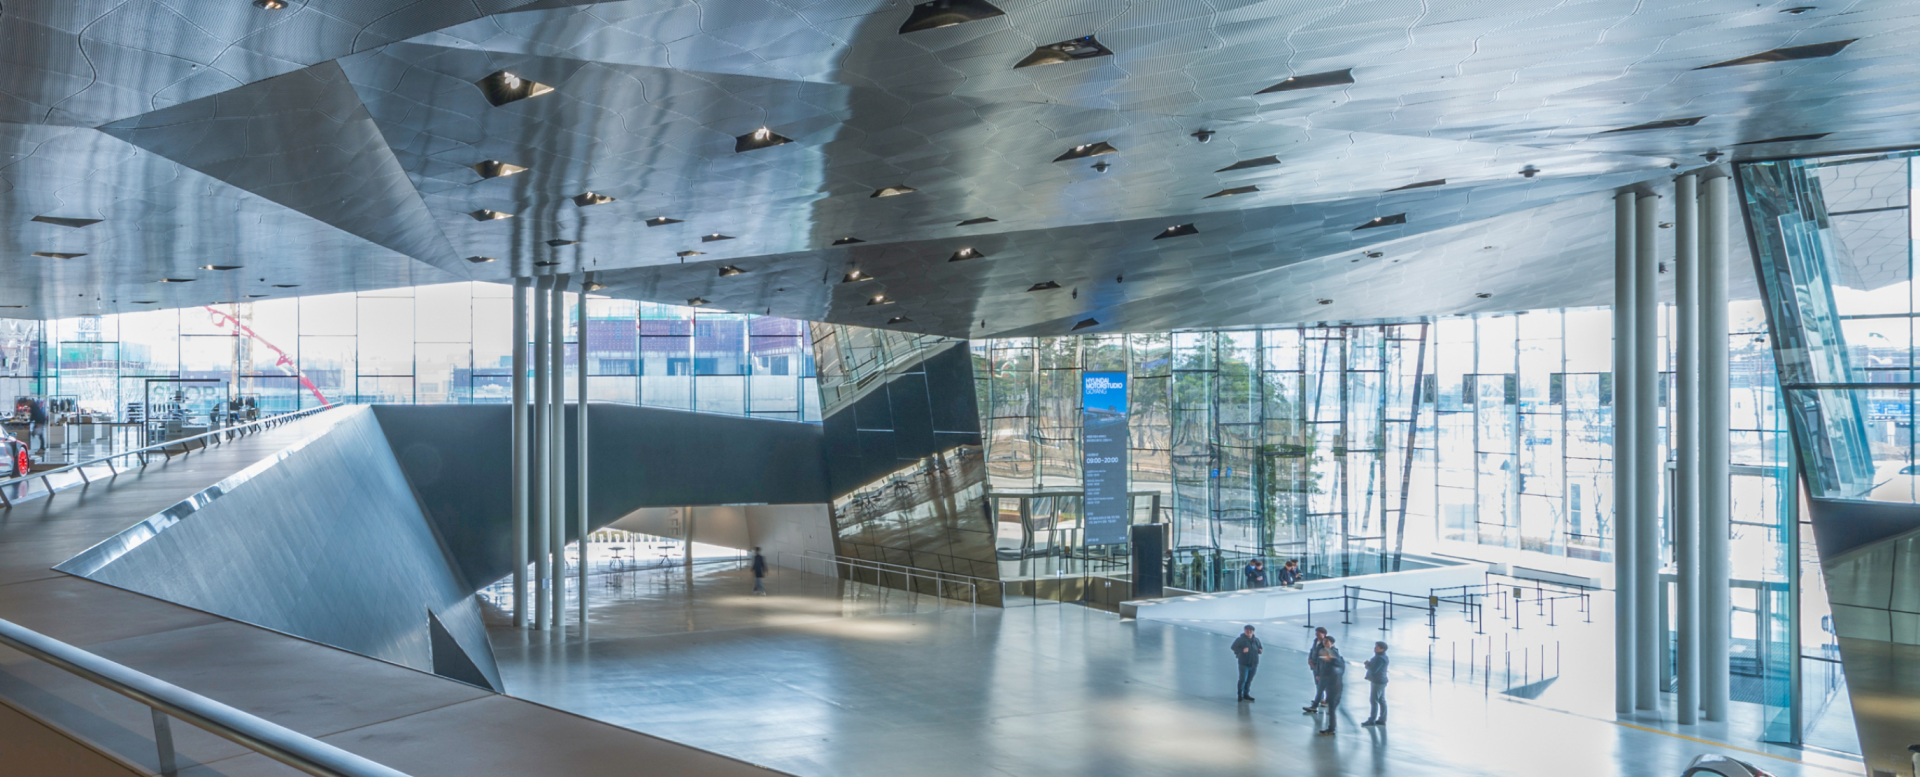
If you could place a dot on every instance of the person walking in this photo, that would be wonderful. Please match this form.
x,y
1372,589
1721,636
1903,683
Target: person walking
x,y
1247,649
1377,680
1333,669
759,573
1313,665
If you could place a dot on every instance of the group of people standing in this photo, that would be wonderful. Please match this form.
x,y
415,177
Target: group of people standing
x,y
1329,676
1256,573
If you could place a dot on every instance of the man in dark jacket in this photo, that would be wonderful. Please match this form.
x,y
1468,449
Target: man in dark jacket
x,y
1377,679
1333,670
1256,573
37,418
1247,650
1313,665
759,573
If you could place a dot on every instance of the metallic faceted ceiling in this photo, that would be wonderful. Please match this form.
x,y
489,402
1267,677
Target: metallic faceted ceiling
x,y
332,147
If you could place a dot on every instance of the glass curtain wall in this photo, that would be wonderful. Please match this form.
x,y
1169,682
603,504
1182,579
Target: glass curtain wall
x,y
449,343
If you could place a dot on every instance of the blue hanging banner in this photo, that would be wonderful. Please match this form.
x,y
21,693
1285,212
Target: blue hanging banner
x,y
1103,423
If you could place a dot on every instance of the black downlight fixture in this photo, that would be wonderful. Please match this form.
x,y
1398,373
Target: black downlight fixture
x,y
1085,150
61,221
1177,230
964,254
1383,221
1311,81
504,86
947,13
759,139
1065,51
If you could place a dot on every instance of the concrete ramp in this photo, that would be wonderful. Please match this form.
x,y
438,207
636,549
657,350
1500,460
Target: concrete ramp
x,y
1264,604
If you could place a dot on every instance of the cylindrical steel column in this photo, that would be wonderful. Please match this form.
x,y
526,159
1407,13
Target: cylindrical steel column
x,y
1623,493
542,419
1646,456
1716,597
520,453
580,445
558,374
1686,442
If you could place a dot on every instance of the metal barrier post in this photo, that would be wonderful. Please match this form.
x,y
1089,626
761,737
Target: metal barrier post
x,y
163,740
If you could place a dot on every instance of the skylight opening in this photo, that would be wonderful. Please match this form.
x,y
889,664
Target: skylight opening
x,y
504,87
1314,81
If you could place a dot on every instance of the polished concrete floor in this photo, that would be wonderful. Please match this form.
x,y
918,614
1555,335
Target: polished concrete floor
x,y
828,678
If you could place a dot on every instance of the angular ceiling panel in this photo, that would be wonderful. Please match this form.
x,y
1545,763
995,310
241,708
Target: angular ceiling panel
x,y
305,141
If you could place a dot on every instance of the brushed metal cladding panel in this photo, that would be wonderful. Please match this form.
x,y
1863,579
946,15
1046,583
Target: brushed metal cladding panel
x,y
325,542
458,460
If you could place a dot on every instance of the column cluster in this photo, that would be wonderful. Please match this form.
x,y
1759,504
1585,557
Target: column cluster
x,y
540,456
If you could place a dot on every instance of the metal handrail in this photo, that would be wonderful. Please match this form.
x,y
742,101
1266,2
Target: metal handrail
x,y
973,589
274,741
954,576
223,433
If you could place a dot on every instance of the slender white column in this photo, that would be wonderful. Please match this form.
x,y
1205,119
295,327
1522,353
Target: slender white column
x,y
542,452
520,453
1647,459
580,444
1686,441
1623,493
558,488
1716,597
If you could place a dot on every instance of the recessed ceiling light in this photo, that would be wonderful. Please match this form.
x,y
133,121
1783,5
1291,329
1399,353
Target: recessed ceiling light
x,y
546,263
1084,323
286,285
1797,10
1383,221
494,168
1065,51
1250,163
1375,254
1420,185
856,276
879,299
1101,166
1666,225
481,259
1177,230
661,221
1203,135
60,221
1529,171
585,199
1786,139
142,302
847,241
1324,301
730,270
485,214
965,254
696,301
17,307
557,242
981,220
946,13
220,266
255,296
176,280
1484,295
1658,125
899,320
1085,150
1233,191
271,5
1043,286
1314,81
893,191
714,238
759,139
1788,54
56,255
685,254
503,87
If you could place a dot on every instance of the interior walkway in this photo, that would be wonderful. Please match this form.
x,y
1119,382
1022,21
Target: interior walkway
x,y
829,678
416,722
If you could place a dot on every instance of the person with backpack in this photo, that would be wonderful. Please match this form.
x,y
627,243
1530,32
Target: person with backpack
x,y
1377,680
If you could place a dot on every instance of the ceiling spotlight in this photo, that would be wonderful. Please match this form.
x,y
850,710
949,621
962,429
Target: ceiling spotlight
x,y
945,13
502,87
965,254
730,271
494,168
661,221
60,221
1666,225
56,255
585,199
255,296
557,242
1085,150
1712,156
879,299
759,139
1383,221
220,267
899,320
893,191
1101,166
1203,135
1043,286
856,276
696,301
714,238
271,5
1375,254
1177,230
847,241
1065,51
1485,295
481,259
485,214
1324,301
1529,171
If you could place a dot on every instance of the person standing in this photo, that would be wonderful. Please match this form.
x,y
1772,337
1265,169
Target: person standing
x,y
1333,671
37,418
1256,574
1377,682
759,573
1290,573
1313,665
1247,650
